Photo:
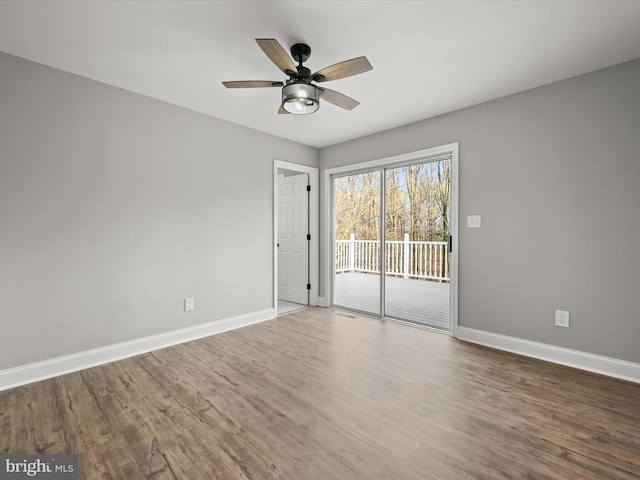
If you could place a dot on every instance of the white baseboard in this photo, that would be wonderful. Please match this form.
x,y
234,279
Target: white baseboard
x,y
573,358
34,372
322,302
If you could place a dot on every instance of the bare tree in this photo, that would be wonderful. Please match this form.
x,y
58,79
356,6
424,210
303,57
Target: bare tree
x,y
416,202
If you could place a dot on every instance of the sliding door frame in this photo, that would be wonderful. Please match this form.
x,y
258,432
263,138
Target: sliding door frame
x,y
426,155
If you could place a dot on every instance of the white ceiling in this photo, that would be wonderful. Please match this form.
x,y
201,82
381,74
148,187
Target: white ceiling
x,y
428,57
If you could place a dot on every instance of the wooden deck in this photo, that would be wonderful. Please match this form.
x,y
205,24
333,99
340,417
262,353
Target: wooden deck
x,y
422,302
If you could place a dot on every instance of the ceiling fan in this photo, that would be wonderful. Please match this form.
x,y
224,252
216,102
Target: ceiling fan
x,y
300,95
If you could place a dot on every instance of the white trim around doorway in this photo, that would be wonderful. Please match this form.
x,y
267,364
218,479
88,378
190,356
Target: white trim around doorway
x,y
450,149
314,244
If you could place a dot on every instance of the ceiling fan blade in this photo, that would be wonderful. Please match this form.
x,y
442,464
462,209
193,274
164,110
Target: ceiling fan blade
x,y
277,54
344,69
282,110
338,99
252,84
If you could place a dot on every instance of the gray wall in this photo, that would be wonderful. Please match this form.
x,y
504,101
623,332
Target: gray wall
x,y
115,207
555,174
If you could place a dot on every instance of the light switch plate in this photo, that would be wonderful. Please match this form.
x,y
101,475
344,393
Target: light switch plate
x,y
188,304
562,318
474,221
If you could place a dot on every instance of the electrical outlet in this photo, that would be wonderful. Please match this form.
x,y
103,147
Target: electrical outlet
x,y
474,221
562,318
188,304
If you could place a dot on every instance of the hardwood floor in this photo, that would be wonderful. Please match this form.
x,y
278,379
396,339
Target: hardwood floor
x,y
324,394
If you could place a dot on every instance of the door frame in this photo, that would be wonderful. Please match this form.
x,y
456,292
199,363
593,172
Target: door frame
x,y
411,157
314,244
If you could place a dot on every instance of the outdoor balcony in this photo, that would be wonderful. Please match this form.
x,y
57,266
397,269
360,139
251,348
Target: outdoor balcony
x,y
416,279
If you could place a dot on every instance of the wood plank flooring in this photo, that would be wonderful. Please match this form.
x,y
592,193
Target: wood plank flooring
x,y
328,395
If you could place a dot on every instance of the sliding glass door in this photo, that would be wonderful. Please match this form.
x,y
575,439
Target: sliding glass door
x,y
392,231
357,246
417,199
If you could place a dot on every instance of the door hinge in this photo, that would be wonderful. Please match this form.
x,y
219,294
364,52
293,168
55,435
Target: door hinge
x,y
308,286
308,188
450,243
308,236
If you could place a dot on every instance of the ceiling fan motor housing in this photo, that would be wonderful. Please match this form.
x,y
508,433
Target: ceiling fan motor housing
x,y
301,53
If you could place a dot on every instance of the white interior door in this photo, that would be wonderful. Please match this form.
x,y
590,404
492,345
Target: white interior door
x,y
293,245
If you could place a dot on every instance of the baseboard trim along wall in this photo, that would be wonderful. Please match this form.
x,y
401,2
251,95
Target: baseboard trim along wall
x,y
573,358
34,372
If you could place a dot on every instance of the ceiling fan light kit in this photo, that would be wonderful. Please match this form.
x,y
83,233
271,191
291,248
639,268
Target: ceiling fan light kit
x,y
300,98
299,95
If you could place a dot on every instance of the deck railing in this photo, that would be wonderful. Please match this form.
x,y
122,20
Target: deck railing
x,y
408,259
